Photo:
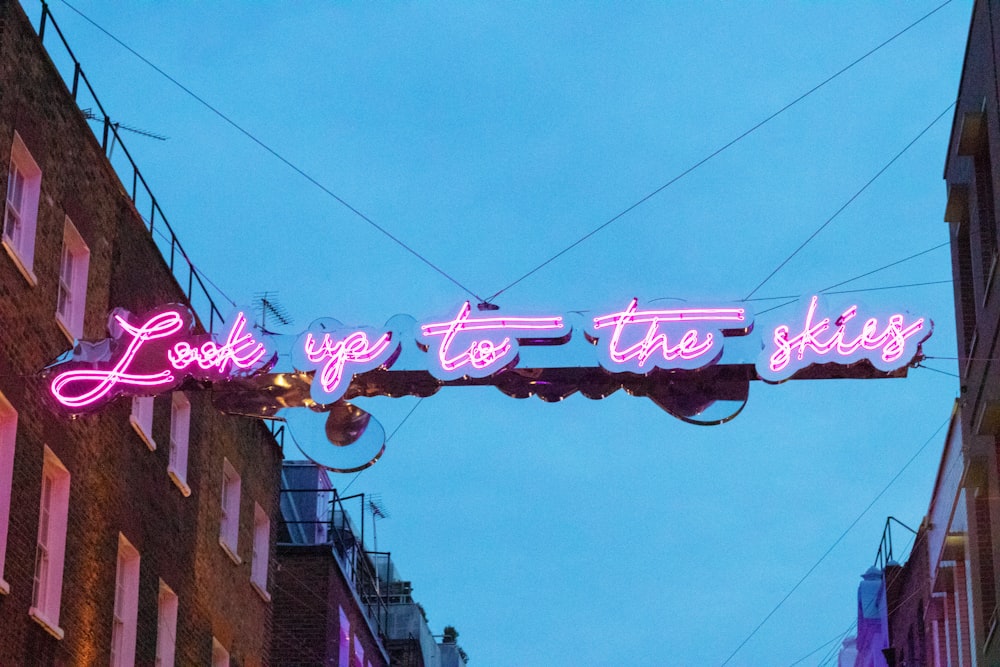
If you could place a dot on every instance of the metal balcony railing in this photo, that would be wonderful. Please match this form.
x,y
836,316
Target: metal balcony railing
x,y
318,517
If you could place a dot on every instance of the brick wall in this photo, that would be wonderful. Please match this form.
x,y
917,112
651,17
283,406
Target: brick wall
x,y
975,248
117,484
310,589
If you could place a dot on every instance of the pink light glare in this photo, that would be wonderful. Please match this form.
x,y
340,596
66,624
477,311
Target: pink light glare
x,y
884,349
483,354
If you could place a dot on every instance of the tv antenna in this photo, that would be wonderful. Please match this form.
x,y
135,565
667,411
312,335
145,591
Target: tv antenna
x,y
269,306
378,510
89,114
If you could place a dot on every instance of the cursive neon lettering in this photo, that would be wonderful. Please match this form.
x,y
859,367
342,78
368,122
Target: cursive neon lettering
x,y
885,348
98,385
241,349
484,355
691,344
334,355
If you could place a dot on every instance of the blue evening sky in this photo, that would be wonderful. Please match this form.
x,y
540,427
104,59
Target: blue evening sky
x,y
489,136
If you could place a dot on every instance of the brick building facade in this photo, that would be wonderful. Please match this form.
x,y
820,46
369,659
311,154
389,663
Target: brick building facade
x,y
111,545
942,605
328,592
971,213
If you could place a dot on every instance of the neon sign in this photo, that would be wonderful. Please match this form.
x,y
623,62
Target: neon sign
x,y
884,346
484,356
683,342
158,352
328,347
155,355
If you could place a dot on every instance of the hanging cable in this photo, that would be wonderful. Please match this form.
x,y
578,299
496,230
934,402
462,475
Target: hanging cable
x,y
849,202
838,638
714,153
398,426
836,542
301,172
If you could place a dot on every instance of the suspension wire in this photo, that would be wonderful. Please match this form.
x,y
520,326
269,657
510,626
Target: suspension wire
x,y
398,426
849,201
853,291
301,172
911,545
937,370
838,637
792,300
192,266
888,266
714,153
836,542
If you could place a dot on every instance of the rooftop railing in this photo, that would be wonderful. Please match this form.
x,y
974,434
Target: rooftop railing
x,y
132,180
318,517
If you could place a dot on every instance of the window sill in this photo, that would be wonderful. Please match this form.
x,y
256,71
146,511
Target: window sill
x,y
180,483
4,587
65,329
21,266
146,438
260,591
50,627
231,552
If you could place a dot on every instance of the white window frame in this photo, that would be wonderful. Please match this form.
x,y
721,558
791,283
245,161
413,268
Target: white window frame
x,y
50,551
71,299
180,434
220,656
20,216
126,610
142,419
166,626
8,437
261,551
229,521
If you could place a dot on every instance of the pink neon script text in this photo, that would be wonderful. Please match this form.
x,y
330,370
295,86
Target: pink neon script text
x,y
891,341
337,354
240,348
98,384
483,353
688,347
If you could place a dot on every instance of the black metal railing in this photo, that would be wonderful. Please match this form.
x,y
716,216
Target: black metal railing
x,y
135,185
322,519
885,554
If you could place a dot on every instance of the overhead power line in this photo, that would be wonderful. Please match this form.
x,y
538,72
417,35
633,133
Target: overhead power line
x,y
287,162
835,543
849,201
715,153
